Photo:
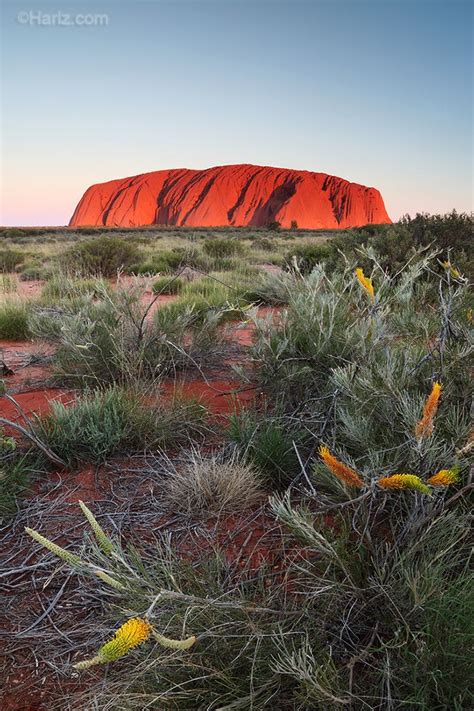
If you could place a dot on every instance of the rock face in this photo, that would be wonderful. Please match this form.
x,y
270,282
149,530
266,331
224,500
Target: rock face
x,y
231,195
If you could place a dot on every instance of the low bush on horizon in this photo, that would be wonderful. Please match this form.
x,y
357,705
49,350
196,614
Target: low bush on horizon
x,y
100,257
394,244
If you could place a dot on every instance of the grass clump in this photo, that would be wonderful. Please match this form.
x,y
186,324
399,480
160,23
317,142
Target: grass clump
x,y
221,248
15,471
65,286
168,285
14,319
211,486
116,340
101,423
10,259
270,444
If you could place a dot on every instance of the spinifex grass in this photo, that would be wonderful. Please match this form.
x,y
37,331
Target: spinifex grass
x,y
113,421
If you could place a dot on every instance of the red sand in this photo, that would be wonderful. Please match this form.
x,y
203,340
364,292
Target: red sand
x,y
34,402
221,397
231,195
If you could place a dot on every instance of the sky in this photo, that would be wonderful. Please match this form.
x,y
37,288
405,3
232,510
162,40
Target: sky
x,y
375,91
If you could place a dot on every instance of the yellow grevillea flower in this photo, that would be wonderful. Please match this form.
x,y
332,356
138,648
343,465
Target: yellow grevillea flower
x,y
455,273
132,633
339,469
403,481
445,477
425,426
366,282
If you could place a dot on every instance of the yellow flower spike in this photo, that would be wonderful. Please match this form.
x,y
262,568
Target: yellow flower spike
x,y
339,469
366,282
445,477
102,539
455,273
106,578
404,481
425,426
130,635
70,558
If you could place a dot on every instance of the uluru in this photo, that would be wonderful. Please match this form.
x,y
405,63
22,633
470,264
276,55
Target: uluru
x,y
231,195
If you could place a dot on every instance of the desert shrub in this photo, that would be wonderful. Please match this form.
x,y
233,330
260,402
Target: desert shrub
x,y
264,243
13,233
10,259
116,340
168,285
102,256
305,257
145,268
340,362
270,444
65,286
101,423
167,261
221,248
274,226
204,487
394,244
273,289
32,271
14,319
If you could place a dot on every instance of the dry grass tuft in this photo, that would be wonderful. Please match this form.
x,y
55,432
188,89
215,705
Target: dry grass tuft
x,y
207,487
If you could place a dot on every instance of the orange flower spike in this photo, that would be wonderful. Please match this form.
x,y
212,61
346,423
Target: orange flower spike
x,y
404,481
445,477
339,469
365,282
425,426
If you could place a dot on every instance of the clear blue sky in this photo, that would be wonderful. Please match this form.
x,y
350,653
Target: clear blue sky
x,y
378,92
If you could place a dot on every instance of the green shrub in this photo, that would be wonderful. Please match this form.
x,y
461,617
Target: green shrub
x,y
269,444
306,256
102,256
116,340
14,475
274,226
395,244
221,248
102,423
169,285
361,369
10,259
14,320
63,286
32,272
263,243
